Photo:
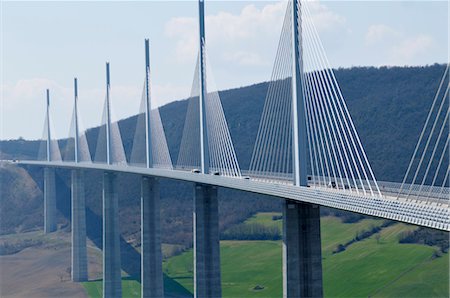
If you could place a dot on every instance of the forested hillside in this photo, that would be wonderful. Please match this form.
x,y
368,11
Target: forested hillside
x,y
388,106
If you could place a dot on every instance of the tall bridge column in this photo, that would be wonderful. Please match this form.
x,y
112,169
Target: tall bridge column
x,y
112,283
206,242
151,258
49,201
79,250
302,257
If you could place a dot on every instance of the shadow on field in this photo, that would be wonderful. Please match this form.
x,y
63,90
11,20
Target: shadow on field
x,y
130,258
172,289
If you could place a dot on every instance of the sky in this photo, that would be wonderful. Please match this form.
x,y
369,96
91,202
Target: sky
x,y
47,44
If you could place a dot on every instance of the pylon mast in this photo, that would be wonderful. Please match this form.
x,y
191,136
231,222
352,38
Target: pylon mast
x,y
299,136
108,117
75,109
148,128
49,151
204,153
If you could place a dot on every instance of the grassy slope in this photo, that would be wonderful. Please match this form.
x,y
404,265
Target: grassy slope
x,y
130,288
373,268
366,267
426,280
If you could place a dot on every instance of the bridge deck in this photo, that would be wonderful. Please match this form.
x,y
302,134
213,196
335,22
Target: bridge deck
x,y
433,214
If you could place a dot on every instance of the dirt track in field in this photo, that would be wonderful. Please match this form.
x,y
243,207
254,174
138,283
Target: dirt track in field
x,y
41,272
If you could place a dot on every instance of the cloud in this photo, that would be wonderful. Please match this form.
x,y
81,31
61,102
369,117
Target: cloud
x,y
379,33
410,48
165,93
243,36
226,29
245,58
24,91
398,47
27,97
323,18
182,30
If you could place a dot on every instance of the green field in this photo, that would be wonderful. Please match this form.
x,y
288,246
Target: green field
x,y
130,288
369,268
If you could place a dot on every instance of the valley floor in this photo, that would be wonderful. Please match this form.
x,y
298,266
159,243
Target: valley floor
x,y
377,266
42,270
373,267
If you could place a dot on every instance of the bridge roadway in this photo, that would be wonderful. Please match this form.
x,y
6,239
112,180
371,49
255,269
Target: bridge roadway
x,y
432,214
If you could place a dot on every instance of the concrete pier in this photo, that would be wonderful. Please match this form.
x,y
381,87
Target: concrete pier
x,y
151,258
49,200
79,250
112,283
206,242
302,256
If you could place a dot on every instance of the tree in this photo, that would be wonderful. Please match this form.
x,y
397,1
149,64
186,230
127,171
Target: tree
x,y
377,237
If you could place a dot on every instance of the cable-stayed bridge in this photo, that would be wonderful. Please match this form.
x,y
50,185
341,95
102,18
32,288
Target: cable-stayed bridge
x,y
307,152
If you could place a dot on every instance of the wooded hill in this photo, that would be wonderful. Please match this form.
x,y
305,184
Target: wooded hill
x,y
389,106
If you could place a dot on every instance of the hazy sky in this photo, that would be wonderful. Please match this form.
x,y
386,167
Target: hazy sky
x,y
45,44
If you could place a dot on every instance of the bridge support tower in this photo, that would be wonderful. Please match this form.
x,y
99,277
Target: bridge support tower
x,y
49,200
49,181
112,283
151,259
79,249
206,242
302,258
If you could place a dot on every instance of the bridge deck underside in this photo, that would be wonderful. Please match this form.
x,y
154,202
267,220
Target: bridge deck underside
x,y
414,211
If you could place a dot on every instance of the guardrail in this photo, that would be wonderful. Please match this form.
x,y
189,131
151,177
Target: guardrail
x,y
415,212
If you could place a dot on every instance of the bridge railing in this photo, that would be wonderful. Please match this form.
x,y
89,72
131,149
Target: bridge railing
x,y
273,177
393,189
415,191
